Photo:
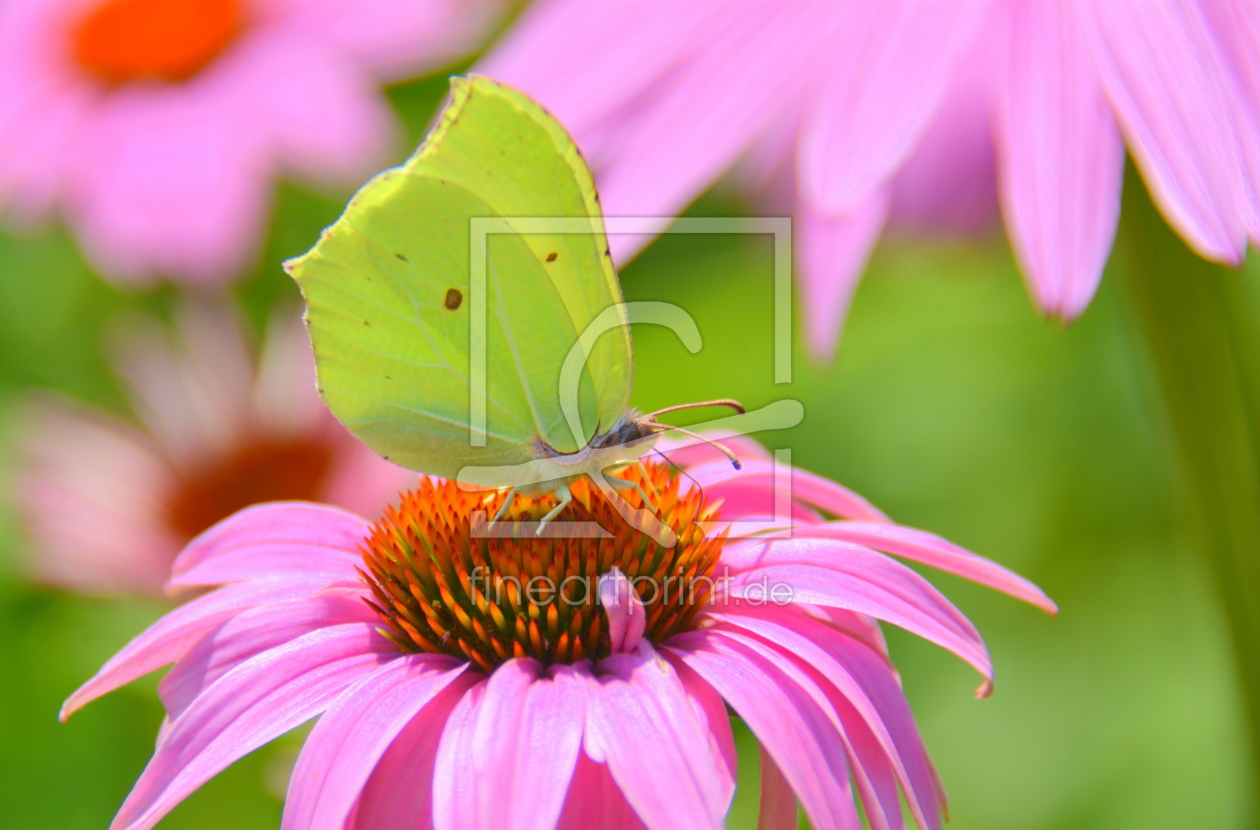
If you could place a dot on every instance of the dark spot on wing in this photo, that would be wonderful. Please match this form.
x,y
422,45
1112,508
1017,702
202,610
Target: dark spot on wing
x,y
551,257
403,258
367,323
454,299
607,253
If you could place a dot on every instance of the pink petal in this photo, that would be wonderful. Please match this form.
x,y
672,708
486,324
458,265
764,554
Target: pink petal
x,y
395,38
43,107
832,253
641,723
1165,81
171,637
595,802
325,119
1060,153
890,70
778,810
254,631
866,691
1236,27
383,804
352,736
625,50
509,750
254,703
688,452
784,709
755,487
625,612
277,538
190,385
931,550
170,183
711,710
69,454
947,186
839,574
733,90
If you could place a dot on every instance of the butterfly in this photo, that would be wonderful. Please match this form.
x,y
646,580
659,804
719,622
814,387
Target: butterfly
x,y
467,320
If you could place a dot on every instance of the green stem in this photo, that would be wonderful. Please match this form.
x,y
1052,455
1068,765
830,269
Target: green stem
x,y
1203,336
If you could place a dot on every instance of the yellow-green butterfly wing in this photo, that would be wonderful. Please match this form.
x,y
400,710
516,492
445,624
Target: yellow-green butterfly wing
x,y
391,298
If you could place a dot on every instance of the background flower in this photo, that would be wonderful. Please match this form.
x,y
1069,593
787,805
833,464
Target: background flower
x,y
477,707
664,97
221,431
156,126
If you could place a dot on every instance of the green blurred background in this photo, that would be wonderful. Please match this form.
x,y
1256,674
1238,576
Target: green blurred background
x,y
952,406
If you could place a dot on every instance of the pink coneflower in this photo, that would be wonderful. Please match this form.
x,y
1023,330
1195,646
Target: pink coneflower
x,y
466,680
220,431
156,126
664,96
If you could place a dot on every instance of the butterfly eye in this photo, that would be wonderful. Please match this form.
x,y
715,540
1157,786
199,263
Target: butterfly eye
x,y
454,299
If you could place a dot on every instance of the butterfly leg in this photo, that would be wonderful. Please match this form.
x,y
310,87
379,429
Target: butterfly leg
x,y
621,484
565,497
507,503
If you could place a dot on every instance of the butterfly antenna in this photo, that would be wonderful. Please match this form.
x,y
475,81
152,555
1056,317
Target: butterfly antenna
x,y
733,404
671,463
730,456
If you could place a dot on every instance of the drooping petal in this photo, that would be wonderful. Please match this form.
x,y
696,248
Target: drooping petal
x,y
853,577
257,701
785,710
712,711
327,122
688,452
934,551
170,183
1060,155
509,750
383,804
395,38
172,636
254,631
640,722
351,737
627,617
870,693
1162,74
595,802
731,92
191,386
832,254
752,489
778,807
70,454
1235,24
289,538
947,187
890,68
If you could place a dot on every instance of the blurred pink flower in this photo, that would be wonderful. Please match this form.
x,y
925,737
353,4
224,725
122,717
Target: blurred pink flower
x,y
156,126
108,505
475,707
859,95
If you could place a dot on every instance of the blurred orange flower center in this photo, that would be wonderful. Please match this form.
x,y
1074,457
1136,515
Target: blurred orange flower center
x,y
261,470
166,40
442,587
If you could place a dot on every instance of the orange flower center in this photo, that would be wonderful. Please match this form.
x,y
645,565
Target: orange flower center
x,y
165,40
443,588
261,470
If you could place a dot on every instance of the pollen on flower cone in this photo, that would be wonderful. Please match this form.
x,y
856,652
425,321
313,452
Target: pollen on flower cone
x,y
444,584
169,40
